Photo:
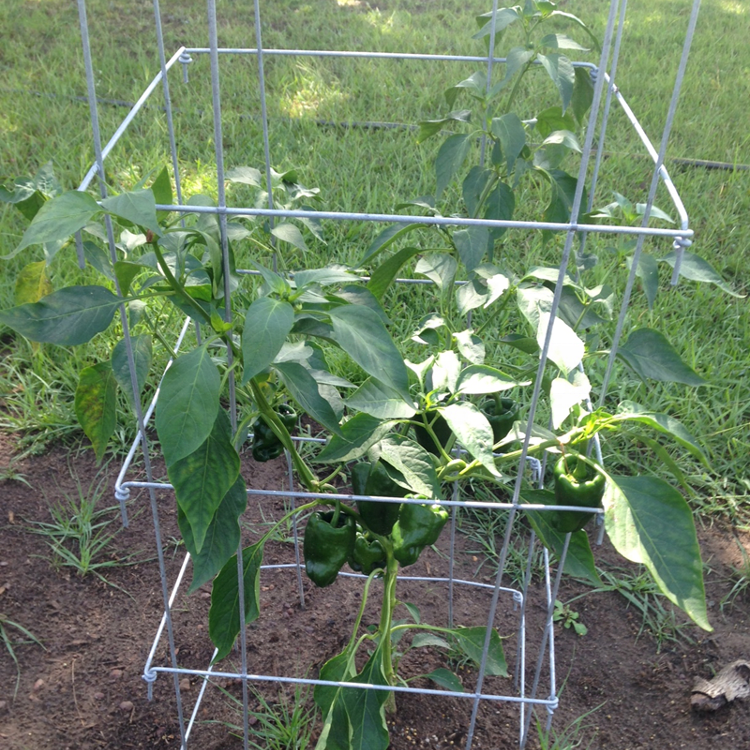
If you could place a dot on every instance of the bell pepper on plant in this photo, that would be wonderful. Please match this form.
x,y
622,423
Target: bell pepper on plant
x,y
439,427
501,413
266,446
576,483
418,527
372,479
367,555
326,546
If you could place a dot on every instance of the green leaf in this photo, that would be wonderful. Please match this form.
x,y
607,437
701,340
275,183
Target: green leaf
x,y
471,244
651,356
161,187
561,41
470,346
423,640
579,561
268,322
384,275
224,615
202,478
374,398
58,219
222,536
446,679
306,392
500,205
693,267
413,461
362,335
67,317
562,73
471,643
125,273
565,393
440,268
142,351
386,238
583,94
96,405
356,436
470,296
481,379
428,128
32,284
509,130
291,234
246,176
136,206
649,522
472,430
566,349
187,405
648,273
473,187
450,159
632,412
366,708
445,371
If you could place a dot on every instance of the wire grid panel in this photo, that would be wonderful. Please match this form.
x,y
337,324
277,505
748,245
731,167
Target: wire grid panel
x,y
605,93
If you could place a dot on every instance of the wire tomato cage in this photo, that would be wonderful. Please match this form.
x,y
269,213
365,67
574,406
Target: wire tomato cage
x,y
525,692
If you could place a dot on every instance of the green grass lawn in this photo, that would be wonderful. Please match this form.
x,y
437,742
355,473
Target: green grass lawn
x,y
43,118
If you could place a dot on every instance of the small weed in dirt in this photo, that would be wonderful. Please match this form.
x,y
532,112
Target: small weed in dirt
x,y
6,626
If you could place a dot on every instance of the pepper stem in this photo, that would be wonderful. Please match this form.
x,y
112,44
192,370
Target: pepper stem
x,y
386,623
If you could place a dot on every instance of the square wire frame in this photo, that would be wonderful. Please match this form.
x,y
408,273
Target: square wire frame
x,y
605,93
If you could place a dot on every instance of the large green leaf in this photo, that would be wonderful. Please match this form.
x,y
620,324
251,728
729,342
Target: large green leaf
x,y
386,238
413,461
336,732
565,393
471,642
59,218
361,334
630,411
693,267
96,405
384,275
222,536
224,615
450,159
649,522
446,679
472,430
32,284
366,708
188,404
162,190
650,355
67,317
379,400
481,379
509,130
562,73
142,350
440,268
290,233
267,324
136,206
356,436
471,244
202,478
305,390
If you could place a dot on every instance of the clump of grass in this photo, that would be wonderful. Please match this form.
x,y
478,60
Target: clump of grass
x,y
6,626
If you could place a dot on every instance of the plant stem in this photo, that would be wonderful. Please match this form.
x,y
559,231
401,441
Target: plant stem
x,y
386,623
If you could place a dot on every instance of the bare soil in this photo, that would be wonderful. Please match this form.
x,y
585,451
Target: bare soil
x,y
84,688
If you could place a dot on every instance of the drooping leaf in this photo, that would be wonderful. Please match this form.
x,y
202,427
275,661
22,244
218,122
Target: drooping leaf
x,y
650,355
202,478
362,335
565,393
161,187
136,206
96,405
482,379
562,73
450,159
471,642
472,430
445,371
224,615
357,436
67,317
566,349
423,640
306,392
374,398
268,322
446,679
648,273
386,238
649,522
384,275
366,708
470,346
290,233
58,219
693,267
32,284
583,94
142,350
428,128
188,404
222,536
471,244
413,461
509,130
476,182
440,268
500,205
470,296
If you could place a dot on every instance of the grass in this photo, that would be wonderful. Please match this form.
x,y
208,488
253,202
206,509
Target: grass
x,y
7,627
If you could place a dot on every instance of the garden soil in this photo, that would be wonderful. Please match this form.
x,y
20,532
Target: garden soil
x,y
83,689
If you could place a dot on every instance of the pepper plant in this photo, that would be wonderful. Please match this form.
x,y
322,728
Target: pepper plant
x,y
450,405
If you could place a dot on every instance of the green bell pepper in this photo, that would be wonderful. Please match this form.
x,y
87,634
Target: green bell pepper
x,y
576,483
418,527
372,479
439,427
266,446
367,555
326,548
501,413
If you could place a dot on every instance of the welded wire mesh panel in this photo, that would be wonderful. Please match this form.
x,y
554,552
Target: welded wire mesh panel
x,y
195,75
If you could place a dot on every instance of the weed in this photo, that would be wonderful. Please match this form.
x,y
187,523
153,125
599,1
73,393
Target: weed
x,y
5,626
570,737
568,617
741,577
